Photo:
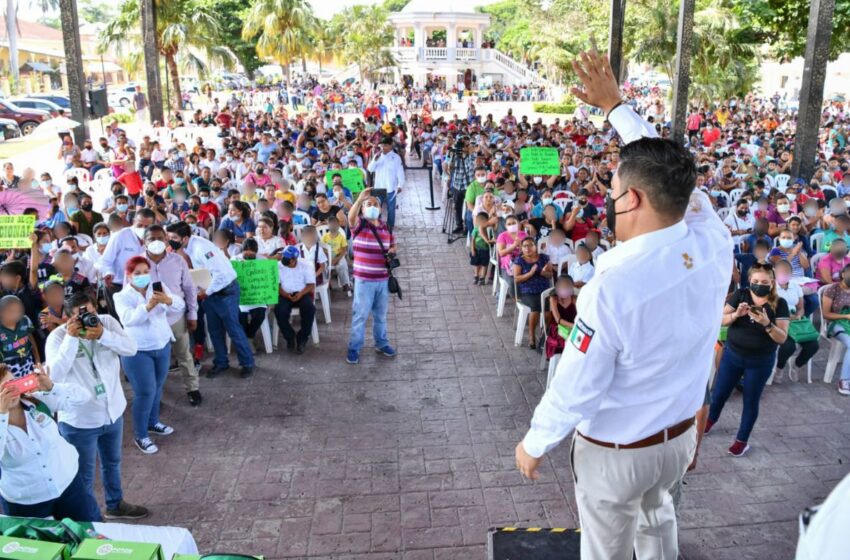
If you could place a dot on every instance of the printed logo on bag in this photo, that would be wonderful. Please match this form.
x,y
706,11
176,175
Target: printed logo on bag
x,y
106,549
15,546
581,336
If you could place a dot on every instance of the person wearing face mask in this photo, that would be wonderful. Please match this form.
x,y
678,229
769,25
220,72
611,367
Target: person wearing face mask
x,y
144,313
85,219
801,331
259,177
297,287
546,199
629,450
172,270
121,246
94,252
790,250
758,321
740,221
840,230
581,217
836,311
780,216
371,240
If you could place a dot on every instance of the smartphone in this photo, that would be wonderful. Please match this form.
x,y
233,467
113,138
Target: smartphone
x,y
756,309
157,286
25,384
379,192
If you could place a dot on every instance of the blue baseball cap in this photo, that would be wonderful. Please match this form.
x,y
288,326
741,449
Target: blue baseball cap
x,y
291,252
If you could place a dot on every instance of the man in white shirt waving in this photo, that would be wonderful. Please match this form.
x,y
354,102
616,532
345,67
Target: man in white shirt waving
x,y
634,371
389,175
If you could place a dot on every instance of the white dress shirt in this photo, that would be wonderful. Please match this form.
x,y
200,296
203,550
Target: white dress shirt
x,y
642,346
70,363
150,329
38,465
121,247
204,254
581,272
265,247
295,279
389,171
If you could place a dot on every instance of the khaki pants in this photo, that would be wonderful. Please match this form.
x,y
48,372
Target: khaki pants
x,y
181,349
624,500
342,272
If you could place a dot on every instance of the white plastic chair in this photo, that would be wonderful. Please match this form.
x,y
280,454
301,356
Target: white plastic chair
x,y
323,291
735,195
722,213
503,295
561,203
825,188
781,182
568,261
104,177
815,260
521,317
725,198
493,265
815,241
836,347
82,175
265,332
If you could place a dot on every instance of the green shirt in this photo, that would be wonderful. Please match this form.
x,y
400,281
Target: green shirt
x,y
478,241
829,236
473,191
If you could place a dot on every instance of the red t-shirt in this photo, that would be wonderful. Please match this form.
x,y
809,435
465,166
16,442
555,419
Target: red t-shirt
x,y
372,112
710,136
210,208
160,184
224,120
132,181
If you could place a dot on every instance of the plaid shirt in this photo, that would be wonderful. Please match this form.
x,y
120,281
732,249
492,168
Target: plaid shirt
x,y
463,171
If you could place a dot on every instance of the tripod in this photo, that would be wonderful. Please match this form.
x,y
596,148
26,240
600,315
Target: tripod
x,y
452,200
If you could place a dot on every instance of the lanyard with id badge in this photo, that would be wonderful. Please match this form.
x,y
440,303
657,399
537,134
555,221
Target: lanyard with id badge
x,y
99,387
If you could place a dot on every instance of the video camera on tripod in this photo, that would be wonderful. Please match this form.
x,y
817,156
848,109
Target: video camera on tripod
x,y
457,189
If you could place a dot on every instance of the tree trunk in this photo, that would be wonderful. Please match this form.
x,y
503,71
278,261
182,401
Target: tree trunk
x,y
303,64
12,34
174,73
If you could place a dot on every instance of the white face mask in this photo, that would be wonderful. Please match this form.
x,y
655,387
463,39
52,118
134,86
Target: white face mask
x,y
140,232
538,180
156,247
782,208
371,212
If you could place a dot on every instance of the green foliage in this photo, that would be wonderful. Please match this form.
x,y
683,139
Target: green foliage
x,y
566,107
360,35
394,5
282,29
123,116
783,25
96,11
231,17
50,21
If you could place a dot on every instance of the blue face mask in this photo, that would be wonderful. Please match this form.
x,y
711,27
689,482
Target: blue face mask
x,y
102,239
46,247
71,209
141,281
121,207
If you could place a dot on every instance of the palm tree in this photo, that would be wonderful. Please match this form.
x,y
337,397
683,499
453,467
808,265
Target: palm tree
x,y
655,32
12,28
363,35
282,27
185,28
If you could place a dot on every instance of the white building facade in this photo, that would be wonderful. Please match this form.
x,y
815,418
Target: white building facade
x,y
434,43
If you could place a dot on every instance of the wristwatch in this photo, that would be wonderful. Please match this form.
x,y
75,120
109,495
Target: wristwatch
x,y
768,327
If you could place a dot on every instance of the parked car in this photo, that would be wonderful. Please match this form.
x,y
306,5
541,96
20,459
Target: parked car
x,y
27,119
121,96
9,129
62,100
37,103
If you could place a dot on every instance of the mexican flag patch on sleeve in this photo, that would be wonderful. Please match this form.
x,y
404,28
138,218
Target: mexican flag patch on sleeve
x,y
581,336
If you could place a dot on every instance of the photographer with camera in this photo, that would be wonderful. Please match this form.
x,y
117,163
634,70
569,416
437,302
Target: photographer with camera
x,y
143,308
85,352
373,245
460,166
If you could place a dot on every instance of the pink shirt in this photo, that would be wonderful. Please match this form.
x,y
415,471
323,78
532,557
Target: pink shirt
x,y
833,266
506,238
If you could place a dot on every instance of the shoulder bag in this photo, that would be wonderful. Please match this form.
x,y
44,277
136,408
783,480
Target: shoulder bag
x,y
390,262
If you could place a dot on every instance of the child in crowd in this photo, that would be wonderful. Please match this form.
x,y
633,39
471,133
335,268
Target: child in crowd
x,y
53,315
562,311
312,252
740,273
285,232
479,248
335,239
251,317
67,274
582,271
556,247
17,344
592,243
226,241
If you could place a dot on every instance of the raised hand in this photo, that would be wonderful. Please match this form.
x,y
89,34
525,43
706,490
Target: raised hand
x,y
600,87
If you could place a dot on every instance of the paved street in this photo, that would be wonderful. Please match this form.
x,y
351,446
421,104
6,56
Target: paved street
x,y
412,458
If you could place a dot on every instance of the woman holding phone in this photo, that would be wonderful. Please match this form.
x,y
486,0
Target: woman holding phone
x,y
758,322
142,308
40,475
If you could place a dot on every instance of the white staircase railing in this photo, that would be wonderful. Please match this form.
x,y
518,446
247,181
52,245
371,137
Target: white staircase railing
x,y
466,53
523,71
436,53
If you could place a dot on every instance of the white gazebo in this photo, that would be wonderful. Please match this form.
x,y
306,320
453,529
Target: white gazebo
x,y
435,42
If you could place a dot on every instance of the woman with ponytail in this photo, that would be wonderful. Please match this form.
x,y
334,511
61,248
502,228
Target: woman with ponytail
x,y
758,322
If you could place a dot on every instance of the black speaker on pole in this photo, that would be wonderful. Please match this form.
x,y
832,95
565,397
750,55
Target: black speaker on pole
x,y
98,105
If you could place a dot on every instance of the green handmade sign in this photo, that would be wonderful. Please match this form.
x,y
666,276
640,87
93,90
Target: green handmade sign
x,y
15,231
352,178
258,281
539,161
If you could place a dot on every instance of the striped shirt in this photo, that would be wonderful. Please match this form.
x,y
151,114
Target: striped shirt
x,y
369,263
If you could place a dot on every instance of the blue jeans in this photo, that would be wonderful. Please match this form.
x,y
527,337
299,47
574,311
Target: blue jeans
x,y
146,371
103,442
755,372
845,364
369,297
75,502
222,313
390,202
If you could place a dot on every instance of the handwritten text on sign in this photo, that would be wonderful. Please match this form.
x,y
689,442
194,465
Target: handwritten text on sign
x,y
15,231
258,281
539,161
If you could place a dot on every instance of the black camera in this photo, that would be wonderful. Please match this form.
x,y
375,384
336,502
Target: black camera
x,y
88,319
460,145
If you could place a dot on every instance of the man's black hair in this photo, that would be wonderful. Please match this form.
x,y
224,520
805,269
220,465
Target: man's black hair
x,y
77,300
663,169
180,228
14,268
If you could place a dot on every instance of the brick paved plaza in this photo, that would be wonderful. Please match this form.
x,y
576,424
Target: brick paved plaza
x,y
413,458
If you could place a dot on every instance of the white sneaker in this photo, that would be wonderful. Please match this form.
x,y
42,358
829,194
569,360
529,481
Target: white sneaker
x,y
777,376
793,372
146,446
844,387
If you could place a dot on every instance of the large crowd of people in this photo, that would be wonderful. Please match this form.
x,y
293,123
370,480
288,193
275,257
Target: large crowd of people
x,y
129,268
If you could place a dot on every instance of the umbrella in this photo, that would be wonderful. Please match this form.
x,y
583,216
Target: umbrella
x,y
53,127
13,203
